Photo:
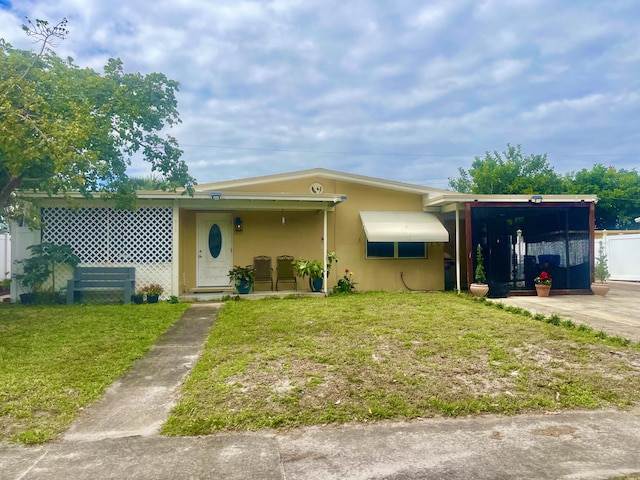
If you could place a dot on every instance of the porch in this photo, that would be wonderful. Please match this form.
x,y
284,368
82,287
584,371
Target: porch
x,y
219,295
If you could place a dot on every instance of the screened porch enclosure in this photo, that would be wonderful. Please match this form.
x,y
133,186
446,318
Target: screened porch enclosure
x,y
519,242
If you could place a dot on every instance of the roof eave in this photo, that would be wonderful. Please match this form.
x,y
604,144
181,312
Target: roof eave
x,y
461,198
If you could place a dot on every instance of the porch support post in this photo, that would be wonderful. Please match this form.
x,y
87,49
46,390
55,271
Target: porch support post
x,y
458,249
175,251
324,252
469,246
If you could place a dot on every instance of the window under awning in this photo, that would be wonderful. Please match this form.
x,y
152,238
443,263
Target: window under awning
x,y
403,227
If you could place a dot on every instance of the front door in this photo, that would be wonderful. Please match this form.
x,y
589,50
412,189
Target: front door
x,y
214,249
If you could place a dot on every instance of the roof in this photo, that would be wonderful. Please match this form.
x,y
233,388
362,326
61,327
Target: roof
x,y
323,173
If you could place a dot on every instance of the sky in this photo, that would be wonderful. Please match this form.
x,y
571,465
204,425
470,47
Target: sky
x,y
403,90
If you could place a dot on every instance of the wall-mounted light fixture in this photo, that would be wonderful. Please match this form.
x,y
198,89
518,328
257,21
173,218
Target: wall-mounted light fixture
x,y
536,199
216,195
238,224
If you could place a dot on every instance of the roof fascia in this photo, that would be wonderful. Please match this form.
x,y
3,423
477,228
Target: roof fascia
x,y
448,201
223,202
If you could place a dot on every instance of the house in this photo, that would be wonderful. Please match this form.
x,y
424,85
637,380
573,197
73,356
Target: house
x,y
392,235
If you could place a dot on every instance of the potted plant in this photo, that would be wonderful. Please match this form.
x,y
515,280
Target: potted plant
x,y
138,297
314,270
601,273
5,286
242,278
480,287
39,268
543,284
153,292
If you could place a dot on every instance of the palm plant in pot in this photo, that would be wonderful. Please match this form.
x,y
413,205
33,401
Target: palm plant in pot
x,y
242,278
601,273
38,277
314,270
480,288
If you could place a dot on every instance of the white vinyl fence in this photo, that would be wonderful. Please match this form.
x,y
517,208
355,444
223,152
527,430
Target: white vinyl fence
x,y
5,256
623,255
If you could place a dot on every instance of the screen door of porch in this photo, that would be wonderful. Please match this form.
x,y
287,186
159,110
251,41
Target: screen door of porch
x,y
214,249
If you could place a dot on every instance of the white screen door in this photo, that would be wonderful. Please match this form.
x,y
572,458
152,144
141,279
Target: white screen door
x,y
214,249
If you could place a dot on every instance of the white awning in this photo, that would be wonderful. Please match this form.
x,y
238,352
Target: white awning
x,y
403,227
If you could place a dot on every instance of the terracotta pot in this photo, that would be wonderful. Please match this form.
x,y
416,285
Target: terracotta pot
x,y
599,288
479,289
543,290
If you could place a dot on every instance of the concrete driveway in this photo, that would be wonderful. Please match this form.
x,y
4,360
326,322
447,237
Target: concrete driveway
x,y
618,313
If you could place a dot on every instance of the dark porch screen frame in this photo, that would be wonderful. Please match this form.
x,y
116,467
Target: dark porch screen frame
x,y
521,240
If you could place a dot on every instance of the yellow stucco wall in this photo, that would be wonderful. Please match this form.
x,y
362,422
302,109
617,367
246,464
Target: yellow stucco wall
x,y
381,274
301,236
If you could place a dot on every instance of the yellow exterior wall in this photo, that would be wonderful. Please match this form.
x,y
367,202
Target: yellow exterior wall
x,y
301,235
350,243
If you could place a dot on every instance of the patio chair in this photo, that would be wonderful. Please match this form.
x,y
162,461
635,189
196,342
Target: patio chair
x,y
263,270
284,271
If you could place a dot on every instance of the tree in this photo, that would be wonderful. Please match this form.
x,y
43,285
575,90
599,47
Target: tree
x,y
149,182
508,173
64,128
618,194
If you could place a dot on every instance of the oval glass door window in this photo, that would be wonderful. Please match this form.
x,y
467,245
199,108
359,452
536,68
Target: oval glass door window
x,y
215,241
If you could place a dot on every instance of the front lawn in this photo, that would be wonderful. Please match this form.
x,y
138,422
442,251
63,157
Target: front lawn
x,y
366,357
55,360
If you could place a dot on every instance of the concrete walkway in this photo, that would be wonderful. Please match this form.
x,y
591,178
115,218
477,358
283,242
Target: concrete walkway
x,y
618,313
117,438
139,402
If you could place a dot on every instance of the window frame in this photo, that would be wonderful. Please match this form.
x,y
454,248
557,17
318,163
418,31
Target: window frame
x,y
396,251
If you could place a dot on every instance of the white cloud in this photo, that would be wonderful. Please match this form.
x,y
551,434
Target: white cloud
x,y
410,77
589,103
507,69
430,16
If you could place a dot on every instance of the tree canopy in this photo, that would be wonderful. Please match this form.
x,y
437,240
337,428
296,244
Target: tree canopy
x,y
618,194
512,172
508,172
65,128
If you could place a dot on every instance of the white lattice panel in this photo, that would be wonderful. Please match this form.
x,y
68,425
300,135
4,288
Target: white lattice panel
x,y
108,237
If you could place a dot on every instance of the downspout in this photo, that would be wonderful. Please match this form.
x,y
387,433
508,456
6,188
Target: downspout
x,y
324,251
458,250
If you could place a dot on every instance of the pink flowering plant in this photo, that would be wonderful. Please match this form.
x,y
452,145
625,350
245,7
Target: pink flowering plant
x,y
152,290
543,279
346,283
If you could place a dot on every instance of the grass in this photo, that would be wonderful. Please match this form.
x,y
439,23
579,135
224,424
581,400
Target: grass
x,y
55,360
367,357
283,363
